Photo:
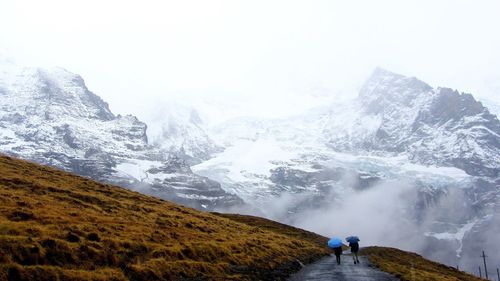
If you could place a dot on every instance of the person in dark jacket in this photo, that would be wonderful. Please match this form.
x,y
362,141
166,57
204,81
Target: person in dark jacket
x,y
338,252
354,250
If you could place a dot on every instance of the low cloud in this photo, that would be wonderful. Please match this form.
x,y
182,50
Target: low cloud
x,y
378,215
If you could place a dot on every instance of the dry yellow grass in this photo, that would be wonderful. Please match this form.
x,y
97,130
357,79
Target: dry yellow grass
x,y
58,226
413,267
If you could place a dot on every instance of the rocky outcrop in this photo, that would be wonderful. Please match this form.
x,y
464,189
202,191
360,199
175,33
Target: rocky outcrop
x,y
49,116
430,126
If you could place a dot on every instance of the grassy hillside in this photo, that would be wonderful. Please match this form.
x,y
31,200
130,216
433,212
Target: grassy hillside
x,y
276,227
58,226
412,267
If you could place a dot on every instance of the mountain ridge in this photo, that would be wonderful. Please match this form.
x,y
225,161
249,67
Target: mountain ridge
x,y
51,117
399,131
439,144
56,225
443,110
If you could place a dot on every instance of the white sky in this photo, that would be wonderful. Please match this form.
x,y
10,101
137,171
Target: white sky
x,y
136,51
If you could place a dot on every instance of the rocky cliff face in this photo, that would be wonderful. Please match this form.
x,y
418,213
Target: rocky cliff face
x,y
178,129
395,120
432,126
49,116
437,148
442,127
431,156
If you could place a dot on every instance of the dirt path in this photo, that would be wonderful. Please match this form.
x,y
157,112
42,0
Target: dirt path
x,y
327,269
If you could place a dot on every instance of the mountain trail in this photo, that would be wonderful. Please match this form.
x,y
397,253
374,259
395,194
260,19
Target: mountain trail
x,y
327,269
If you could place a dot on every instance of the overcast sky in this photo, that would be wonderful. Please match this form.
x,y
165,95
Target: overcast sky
x,y
131,51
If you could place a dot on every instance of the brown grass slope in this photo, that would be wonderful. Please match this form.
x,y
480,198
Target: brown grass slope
x,y
413,267
58,226
276,227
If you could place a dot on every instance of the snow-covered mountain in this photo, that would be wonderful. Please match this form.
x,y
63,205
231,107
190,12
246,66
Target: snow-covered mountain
x,y
395,118
432,126
403,164
442,145
49,116
178,129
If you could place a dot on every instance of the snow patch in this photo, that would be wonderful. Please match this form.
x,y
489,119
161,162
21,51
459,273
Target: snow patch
x,y
248,157
136,168
456,236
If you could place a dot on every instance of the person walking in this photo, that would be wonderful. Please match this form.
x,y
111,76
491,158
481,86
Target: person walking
x,y
336,245
354,250
338,252
354,245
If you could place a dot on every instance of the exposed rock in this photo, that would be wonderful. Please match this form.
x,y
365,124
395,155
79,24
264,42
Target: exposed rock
x,y
49,116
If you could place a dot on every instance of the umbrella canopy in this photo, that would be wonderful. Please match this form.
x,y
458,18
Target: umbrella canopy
x,y
334,242
352,239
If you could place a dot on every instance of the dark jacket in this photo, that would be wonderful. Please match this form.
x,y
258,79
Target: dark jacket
x,y
337,251
354,247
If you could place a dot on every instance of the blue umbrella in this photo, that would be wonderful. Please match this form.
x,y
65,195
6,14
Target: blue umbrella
x,y
334,242
352,239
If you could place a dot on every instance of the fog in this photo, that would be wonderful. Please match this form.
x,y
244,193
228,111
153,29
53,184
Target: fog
x,y
271,59
392,213
130,52
381,215
378,215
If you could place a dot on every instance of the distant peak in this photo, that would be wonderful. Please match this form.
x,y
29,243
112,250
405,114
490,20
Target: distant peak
x,y
388,78
387,84
380,70
381,73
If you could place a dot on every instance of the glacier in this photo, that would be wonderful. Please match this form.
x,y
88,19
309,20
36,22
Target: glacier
x,y
403,164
